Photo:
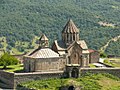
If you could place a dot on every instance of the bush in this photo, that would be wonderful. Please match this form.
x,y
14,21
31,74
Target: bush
x,y
7,59
1,46
103,55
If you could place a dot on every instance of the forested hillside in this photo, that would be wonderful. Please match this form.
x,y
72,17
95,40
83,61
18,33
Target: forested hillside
x,y
22,20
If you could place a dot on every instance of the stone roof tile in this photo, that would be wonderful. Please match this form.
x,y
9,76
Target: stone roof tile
x,y
83,44
43,38
43,53
70,27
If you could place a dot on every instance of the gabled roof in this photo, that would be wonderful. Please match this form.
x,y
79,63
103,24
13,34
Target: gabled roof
x,y
61,45
91,50
70,27
83,44
72,45
43,38
43,53
85,51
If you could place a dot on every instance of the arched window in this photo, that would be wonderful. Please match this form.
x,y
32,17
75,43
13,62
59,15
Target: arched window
x,y
69,61
74,37
67,37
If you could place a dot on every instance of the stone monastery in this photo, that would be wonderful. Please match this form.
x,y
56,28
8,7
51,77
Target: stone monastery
x,y
68,54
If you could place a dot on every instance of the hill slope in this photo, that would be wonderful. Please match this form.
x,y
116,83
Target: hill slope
x,y
86,82
98,20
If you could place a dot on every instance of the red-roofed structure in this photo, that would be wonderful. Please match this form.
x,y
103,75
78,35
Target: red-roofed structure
x,y
93,56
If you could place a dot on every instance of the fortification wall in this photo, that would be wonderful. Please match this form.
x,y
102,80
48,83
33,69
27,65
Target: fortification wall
x,y
113,71
7,79
23,77
11,80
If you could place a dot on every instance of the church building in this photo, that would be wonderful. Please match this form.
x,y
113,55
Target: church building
x,y
68,54
75,49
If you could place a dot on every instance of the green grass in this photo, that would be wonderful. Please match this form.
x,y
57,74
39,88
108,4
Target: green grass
x,y
15,51
87,82
109,82
92,66
114,63
13,68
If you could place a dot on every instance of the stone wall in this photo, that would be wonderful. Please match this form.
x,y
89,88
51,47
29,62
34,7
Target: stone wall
x,y
94,57
113,71
11,80
44,64
7,79
23,77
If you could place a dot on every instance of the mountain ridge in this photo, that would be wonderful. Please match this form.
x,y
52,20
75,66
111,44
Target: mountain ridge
x,y
23,20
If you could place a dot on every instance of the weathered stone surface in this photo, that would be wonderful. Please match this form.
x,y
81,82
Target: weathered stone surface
x,y
7,79
11,80
113,71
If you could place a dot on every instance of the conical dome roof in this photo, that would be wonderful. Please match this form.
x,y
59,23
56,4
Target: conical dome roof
x,y
43,38
70,27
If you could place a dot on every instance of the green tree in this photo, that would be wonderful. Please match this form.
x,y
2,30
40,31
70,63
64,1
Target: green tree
x,y
6,59
103,55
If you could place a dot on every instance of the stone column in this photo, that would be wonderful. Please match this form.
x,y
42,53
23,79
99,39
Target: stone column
x,y
77,36
70,73
65,37
87,60
71,36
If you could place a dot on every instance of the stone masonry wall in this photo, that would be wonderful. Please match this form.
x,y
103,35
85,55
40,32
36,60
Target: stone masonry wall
x,y
23,77
7,79
113,71
11,80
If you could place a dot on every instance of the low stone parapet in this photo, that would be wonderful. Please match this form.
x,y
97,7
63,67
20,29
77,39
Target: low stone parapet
x,y
23,77
11,80
113,71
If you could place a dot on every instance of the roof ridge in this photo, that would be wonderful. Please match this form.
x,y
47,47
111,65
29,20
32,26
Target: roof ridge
x,y
43,37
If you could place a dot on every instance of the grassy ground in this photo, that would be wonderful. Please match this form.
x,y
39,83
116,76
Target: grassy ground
x,y
13,68
115,62
92,66
109,84
87,82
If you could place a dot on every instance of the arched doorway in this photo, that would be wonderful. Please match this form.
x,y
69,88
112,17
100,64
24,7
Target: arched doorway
x,y
71,88
75,73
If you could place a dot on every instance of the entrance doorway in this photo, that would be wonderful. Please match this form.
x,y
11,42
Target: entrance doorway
x,y
71,88
75,73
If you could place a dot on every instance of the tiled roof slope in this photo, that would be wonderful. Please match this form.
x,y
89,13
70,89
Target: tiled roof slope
x,y
70,27
43,37
61,45
83,44
43,53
